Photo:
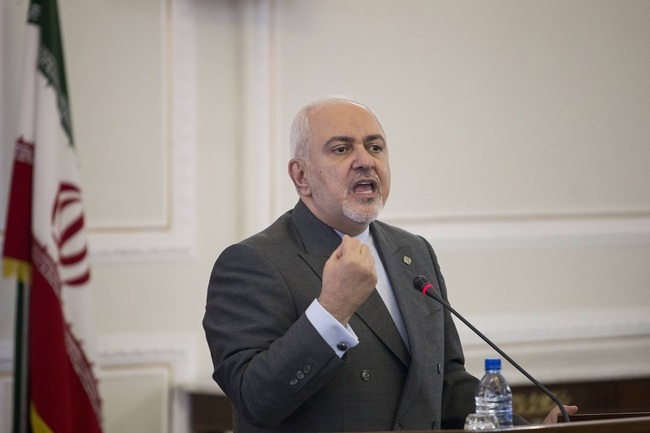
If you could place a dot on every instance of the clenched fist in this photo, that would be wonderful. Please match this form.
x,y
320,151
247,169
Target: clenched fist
x,y
349,278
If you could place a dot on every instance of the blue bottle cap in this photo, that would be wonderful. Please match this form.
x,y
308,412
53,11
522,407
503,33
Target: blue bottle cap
x,y
492,363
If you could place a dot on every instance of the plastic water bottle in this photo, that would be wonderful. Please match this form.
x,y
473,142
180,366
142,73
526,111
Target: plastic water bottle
x,y
494,395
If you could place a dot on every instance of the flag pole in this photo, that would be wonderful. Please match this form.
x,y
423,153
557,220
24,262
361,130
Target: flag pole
x,y
21,348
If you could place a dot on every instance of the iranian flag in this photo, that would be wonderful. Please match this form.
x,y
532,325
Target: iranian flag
x,y
45,249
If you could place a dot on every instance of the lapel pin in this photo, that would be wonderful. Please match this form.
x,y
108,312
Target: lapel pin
x,y
407,260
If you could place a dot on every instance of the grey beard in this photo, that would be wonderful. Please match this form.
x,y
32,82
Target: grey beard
x,y
365,212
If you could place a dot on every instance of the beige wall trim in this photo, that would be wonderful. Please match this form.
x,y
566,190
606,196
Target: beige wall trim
x,y
505,232
176,238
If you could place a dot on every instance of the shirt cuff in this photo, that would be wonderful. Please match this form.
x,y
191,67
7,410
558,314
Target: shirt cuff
x,y
340,338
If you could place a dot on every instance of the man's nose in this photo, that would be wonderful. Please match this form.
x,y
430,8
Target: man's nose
x,y
363,158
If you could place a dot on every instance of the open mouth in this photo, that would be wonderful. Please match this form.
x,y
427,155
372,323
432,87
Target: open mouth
x,y
365,187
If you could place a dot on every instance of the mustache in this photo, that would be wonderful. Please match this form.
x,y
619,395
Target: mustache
x,y
367,174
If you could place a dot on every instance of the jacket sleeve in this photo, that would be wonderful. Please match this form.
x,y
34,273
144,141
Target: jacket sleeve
x,y
267,356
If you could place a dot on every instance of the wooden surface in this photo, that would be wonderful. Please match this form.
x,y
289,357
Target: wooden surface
x,y
620,425
211,412
625,425
607,396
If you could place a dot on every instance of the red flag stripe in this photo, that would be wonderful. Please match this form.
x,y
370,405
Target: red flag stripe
x,y
71,259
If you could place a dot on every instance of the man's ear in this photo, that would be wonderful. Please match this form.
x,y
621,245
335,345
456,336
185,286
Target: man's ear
x,y
297,173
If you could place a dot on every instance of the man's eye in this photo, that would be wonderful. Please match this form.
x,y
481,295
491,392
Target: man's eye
x,y
376,148
340,150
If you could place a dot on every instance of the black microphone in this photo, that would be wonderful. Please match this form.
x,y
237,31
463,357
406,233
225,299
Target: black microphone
x,y
422,284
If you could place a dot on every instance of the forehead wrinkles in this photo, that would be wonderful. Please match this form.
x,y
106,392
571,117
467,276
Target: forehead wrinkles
x,y
345,123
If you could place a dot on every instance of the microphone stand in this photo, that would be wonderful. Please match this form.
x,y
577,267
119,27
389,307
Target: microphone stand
x,y
495,347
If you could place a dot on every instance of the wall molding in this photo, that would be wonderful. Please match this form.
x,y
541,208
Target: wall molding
x,y
176,239
546,340
463,231
547,345
564,346
171,356
553,230
255,18
174,349
160,419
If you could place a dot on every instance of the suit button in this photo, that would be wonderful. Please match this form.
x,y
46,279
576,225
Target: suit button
x,y
365,375
306,369
300,374
436,425
439,368
398,426
293,381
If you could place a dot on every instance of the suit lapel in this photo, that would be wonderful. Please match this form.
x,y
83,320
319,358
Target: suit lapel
x,y
318,239
375,314
401,266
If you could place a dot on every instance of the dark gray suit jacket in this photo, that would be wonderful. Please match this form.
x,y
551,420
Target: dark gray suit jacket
x,y
281,376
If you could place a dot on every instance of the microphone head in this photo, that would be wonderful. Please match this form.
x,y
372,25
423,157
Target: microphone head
x,y
420,282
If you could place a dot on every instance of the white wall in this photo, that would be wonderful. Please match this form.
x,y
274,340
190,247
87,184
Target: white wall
x,y
518,133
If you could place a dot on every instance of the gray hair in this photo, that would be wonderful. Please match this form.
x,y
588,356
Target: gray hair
x,y
300,133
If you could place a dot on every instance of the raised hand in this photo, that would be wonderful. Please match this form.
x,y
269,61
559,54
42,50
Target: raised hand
x,y
348,279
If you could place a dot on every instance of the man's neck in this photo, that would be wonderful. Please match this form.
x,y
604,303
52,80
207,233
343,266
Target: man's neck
x,y
342,224
363,236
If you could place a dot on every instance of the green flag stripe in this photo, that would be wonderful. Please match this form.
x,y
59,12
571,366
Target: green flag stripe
x,y
50,58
